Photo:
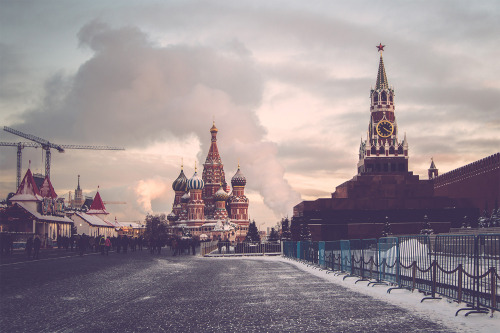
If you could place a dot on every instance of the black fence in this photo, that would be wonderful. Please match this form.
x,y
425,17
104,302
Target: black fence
x,y
464,268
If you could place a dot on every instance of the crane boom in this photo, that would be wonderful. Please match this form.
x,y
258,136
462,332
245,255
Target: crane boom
x,y
91,147
45,145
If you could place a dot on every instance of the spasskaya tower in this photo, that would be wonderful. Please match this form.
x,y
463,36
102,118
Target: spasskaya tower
x,y
382,152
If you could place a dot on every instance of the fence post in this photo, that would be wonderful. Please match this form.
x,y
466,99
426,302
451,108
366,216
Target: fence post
x,y
493,280
434,278
460,283
414,275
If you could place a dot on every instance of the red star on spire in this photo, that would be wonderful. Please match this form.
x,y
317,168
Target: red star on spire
x,y
380,47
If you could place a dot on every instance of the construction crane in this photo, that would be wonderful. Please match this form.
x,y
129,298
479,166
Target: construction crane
x,y
20,146
47,146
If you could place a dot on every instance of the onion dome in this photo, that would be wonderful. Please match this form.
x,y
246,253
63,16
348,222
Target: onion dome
x,y
238,178
221,195
195,182
180,184
185,198
172,217
214,129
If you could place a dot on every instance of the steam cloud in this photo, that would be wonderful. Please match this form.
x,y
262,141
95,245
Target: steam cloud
x,y
132,92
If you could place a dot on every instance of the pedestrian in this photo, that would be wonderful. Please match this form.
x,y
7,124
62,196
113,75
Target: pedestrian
x,y
159,244
81,244
36,246
102,244
174,246
29,246
193,246
107,244
125,244
72,242
118,244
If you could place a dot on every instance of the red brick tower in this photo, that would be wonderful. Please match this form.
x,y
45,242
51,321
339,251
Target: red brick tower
x,y
238,202
382,152
213,175
432,171
220,198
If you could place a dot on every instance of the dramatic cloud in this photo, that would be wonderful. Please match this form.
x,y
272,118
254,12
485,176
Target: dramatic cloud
x,y
287,83
133,93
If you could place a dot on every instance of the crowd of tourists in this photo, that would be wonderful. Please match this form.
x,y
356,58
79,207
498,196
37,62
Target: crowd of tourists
x,y
121,244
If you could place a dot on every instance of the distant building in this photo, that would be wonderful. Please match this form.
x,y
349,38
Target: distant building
x,y
384,189
36,211
94,222
203,205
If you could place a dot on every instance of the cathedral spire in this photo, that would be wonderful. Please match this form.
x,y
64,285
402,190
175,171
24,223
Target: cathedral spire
x,y
381,76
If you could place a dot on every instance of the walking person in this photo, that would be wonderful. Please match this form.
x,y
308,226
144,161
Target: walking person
x,y
193,246
81,244
107,244
37,243
118,244
29,246
125,244
102,244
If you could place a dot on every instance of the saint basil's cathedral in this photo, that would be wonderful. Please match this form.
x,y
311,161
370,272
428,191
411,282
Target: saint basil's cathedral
x,y
205,206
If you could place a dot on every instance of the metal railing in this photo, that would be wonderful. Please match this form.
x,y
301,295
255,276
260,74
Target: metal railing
x,y
464,268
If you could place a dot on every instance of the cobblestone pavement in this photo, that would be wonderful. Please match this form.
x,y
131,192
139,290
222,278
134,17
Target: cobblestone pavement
x,y
140,292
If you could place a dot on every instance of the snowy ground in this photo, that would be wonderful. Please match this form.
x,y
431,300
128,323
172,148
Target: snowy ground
x,y
140,292
440,311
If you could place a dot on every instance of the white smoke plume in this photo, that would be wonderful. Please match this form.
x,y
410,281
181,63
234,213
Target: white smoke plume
x,y
133,93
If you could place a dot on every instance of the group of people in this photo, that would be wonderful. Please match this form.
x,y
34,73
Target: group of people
x,y
6,243
33,244
121,244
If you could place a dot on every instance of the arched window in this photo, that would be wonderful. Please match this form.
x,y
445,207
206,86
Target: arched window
x,y
383,96
375,97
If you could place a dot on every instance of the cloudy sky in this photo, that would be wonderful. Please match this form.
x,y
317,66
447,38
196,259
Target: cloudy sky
x,y
287,83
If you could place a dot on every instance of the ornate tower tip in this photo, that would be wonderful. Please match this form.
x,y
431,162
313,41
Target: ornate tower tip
x,y
380,47
182,163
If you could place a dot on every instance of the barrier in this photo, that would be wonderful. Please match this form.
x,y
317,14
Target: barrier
x,y
464,268
369,262
388,258
321,254
488,268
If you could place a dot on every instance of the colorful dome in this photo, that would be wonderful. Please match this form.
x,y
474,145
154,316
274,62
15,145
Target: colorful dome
x,y
195,182
221,195
238,178
180,184
214,129
172,217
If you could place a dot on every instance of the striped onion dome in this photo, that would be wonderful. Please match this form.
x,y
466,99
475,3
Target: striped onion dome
x,y
185,198
238,178
180,184
195,182
221,195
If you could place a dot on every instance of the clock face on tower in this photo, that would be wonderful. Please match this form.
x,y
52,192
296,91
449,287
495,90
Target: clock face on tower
x,y
385,128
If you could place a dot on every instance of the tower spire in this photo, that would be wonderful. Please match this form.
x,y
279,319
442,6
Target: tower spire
x,y
381,76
